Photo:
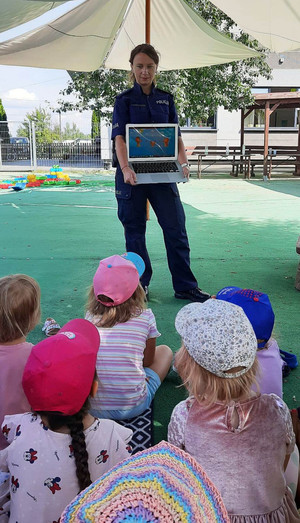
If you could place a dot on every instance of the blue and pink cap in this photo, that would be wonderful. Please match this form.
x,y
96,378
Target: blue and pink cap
x,y
117,277
257,308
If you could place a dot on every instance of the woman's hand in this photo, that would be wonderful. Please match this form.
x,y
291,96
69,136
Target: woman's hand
x,y
129,175
186,170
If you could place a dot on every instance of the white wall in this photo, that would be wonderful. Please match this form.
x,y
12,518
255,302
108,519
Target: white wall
x,y
106,152
227,132
194,138
281,78
228,125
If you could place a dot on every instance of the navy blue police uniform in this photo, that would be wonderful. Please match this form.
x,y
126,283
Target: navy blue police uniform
x,y
134,106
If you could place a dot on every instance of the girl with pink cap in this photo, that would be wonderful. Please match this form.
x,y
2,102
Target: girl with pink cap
x,y
130,366
57,449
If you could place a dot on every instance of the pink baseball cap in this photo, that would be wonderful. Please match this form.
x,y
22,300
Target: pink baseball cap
x,y
117,277
60,370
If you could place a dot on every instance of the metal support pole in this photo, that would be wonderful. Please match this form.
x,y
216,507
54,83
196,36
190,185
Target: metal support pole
x,y
34,146
147,36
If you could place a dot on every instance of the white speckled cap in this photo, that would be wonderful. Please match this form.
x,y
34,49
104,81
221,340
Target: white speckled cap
x,y
218,336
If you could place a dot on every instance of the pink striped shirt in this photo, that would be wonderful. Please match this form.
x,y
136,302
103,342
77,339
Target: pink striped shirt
x,y
122,379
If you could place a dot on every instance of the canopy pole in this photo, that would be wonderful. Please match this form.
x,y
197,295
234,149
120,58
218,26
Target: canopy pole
x,y
147,20
147,34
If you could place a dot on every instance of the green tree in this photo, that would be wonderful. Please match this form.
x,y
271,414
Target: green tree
x,y
71,132
4,131
197,92
44,132
95,127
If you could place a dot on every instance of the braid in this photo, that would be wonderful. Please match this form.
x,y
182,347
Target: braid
x,y
74,423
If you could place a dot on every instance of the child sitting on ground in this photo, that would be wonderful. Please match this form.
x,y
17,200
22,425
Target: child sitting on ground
x,y
241,438
259,311
59,449
19,313
129,365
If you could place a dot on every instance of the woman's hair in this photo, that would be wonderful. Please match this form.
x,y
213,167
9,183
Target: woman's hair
x,y
147,49
20,308
110,316
55,421
208,388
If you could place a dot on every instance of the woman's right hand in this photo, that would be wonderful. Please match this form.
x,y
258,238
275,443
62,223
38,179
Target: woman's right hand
x,y
129,175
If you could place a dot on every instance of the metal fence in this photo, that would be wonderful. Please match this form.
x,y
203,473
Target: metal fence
x,y
76,153
71,154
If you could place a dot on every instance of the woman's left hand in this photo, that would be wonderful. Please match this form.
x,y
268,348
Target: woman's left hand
x,y
186,172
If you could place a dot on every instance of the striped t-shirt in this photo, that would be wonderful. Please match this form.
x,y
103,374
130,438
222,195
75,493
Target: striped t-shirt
x,y
122,379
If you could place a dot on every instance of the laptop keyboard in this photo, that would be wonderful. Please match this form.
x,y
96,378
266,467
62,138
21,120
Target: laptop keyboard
x,y
155,167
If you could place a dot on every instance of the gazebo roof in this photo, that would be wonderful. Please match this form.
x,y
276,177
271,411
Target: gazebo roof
x,y
285,100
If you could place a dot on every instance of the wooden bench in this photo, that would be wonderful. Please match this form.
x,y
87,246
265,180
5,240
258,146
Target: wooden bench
x,y
278,157
284,157
212,155
245,159
254,155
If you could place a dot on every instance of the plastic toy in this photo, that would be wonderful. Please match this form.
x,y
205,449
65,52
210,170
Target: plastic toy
x,y
19,186
55,178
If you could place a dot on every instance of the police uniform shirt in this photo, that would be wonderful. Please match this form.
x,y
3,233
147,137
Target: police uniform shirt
x,y
134,106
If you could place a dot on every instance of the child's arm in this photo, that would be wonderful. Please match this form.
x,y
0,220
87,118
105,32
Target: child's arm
x,y
176,428
149,352
3,464
4,496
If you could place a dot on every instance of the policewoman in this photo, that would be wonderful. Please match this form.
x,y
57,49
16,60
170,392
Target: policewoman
x,y
145,103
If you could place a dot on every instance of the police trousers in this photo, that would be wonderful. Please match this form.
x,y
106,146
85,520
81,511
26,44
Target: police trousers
x,y
165,201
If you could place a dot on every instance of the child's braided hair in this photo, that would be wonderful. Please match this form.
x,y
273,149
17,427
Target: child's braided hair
x,y
55,421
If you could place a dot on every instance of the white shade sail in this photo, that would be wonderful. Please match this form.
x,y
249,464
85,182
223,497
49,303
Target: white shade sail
x,y
17,12
183,38
81,39
274,23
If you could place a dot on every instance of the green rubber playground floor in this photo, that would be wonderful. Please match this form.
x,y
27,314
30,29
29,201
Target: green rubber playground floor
x,y
241,233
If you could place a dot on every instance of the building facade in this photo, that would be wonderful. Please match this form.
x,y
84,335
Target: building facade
x,y
224,128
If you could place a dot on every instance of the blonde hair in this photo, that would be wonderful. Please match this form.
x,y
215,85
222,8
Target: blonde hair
x,y
110,316
208,388
20,308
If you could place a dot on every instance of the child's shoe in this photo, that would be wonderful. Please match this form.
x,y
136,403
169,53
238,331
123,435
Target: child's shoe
x,y
50,327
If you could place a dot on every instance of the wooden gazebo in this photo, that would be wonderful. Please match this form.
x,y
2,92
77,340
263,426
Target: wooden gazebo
x,y
270,102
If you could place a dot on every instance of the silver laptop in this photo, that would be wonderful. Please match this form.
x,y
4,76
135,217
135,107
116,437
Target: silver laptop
x,y
152,151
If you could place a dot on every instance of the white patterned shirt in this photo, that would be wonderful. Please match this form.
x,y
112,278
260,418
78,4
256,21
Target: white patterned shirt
x,y
42,466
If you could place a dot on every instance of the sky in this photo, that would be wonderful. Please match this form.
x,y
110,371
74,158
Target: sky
x,y
22,89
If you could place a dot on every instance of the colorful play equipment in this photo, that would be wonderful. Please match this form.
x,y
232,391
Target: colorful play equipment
x,y
54,178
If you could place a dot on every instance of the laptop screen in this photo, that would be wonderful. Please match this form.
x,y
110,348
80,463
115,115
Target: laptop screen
x,y
152,142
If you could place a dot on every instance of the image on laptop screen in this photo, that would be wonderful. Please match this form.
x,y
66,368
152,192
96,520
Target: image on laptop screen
x,y
152,142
